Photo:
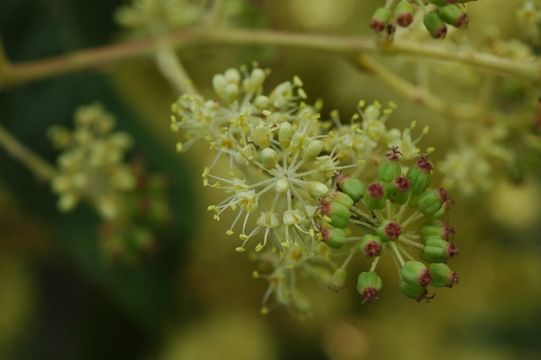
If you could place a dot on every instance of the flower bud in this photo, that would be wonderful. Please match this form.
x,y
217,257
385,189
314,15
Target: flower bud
x,y
420,174
432,200
436,229
390,169
338,213
380,18
352,187
281,186
452,15
415,272
398,190
442,276
342,199
435,25
389,230
370,245
403,13
374,198
313,149
268,158
338,279
413,291
285,133
317,189
438,250
368,285
335,238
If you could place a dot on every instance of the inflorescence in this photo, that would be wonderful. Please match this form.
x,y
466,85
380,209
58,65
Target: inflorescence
x,y
437,14
296,186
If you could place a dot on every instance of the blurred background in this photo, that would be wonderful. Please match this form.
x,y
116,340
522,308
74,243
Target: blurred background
x,y
193,297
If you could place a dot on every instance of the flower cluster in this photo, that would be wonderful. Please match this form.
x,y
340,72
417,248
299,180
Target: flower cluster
x,y
394,213
471,167
437,14
157,16
91,166
280,166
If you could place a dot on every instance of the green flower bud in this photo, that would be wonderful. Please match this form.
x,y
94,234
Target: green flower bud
x,y
390,169
317,189
370,245
414,291
436,229
268,158
389,230
442,276
398,191
335,238
403,13
313,149
435,25
452,15
342,199
368,285
285,133
432,200
438,250
339,214
338,279
415,272
380,19
420,174
374,198
354,188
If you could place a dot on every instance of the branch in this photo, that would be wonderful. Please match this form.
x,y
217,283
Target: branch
x,y
415,93
19,151
18,74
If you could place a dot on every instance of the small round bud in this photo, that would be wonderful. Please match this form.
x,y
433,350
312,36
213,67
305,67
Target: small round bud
x,y
352,187
338,279
420,174
285,133
415,272
313,149
282,185
317,189
374,198
341,198
442,275
370,245
438,250
219,83
452,15
403,13
269,158
390,169
380,19
398,190
432,200
389,230
435,25
339,214
414,291
368,285
262,102
334,238
436,229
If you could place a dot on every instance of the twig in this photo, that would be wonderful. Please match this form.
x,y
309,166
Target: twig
x,y
18,74
19,151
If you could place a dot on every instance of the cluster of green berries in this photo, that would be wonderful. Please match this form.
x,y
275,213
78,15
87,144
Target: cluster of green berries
x,y
436,18
396,210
